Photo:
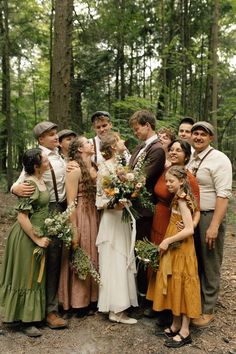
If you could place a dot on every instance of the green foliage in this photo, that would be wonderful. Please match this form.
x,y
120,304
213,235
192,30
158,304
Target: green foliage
x,y
127,55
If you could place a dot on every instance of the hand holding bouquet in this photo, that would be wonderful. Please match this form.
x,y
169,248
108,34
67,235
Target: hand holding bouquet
x,y
125,185
148,254
57,225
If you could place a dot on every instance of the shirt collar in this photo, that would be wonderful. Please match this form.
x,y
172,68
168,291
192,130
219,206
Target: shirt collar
x,y
202,153
150,140
47,151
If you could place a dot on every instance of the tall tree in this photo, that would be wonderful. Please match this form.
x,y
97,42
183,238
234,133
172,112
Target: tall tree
x,y
6,95
59,105
3,131
214,66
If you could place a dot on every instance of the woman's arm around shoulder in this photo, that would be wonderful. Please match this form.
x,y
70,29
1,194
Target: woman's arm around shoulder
x,y
188,229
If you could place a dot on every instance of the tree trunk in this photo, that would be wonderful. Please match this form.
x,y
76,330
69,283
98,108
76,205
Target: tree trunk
x,y
59,105
3,130
51,43
7,95
215,31
161,103
131,69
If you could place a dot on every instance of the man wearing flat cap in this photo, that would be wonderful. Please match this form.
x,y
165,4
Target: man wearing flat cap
x,y
54,178
65,137
213,171
101,122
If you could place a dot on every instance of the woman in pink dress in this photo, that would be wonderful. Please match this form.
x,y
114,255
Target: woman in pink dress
x,y
81,295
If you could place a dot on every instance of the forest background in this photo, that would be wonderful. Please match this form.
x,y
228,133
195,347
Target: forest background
x,y
62,60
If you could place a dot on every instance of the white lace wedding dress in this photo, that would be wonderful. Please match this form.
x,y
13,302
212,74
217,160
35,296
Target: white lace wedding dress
x,y
117,291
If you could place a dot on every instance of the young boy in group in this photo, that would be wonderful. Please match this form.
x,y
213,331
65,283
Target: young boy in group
x,y
101,122
185,126
65,137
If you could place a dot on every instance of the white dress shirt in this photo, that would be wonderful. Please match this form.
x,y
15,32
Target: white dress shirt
x,y
214,176
59,167
146,143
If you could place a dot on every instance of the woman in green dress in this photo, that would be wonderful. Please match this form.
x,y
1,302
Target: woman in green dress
x,y
22,278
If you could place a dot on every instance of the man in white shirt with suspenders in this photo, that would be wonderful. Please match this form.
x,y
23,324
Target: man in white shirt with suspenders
x,y
46,134
102,124
213,171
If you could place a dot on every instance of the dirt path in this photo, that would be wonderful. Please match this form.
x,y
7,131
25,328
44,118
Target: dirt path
x,y
95,334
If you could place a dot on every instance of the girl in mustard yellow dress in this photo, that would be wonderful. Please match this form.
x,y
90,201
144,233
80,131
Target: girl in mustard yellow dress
x,y
177,285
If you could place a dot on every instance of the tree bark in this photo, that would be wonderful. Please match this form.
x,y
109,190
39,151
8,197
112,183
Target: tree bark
x,y
215,31
6,105
59,105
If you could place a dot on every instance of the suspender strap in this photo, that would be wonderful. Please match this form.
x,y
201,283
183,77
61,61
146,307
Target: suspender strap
x,y
197,168
95,149
54,182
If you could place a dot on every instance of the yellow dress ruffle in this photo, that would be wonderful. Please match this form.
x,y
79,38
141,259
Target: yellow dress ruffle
x,y
177,285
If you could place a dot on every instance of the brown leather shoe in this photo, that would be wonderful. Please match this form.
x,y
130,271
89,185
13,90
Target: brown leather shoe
x,y
54,321
204,320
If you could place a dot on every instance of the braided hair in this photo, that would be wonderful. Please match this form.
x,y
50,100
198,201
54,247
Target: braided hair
x,y
107,143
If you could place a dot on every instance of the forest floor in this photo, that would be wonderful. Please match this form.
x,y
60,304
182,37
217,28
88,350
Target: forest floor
x,y
95,334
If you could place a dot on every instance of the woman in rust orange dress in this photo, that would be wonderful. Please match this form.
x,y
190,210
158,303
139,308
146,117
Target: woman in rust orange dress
x,y
179,154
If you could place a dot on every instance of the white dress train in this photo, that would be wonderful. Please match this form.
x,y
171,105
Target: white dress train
x,y
117,291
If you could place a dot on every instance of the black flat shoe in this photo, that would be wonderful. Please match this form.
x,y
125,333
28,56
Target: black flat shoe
x,y
150,313
82,312
169,334
171,343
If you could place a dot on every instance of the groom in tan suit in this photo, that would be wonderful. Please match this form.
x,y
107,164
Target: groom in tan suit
x,y
144,124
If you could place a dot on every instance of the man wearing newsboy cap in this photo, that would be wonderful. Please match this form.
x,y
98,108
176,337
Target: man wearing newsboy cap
x,y
54,178
101,122
213,171
65,137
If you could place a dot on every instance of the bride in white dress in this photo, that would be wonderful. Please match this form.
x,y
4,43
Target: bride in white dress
x,y
117,291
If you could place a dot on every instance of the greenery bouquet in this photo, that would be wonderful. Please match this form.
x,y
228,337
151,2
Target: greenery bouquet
x,y
59,225
82,265
148,254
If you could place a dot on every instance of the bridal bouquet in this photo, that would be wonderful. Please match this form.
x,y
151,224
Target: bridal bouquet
x,y
125,186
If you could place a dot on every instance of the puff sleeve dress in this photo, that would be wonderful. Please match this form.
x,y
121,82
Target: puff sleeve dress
x,y
22,297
